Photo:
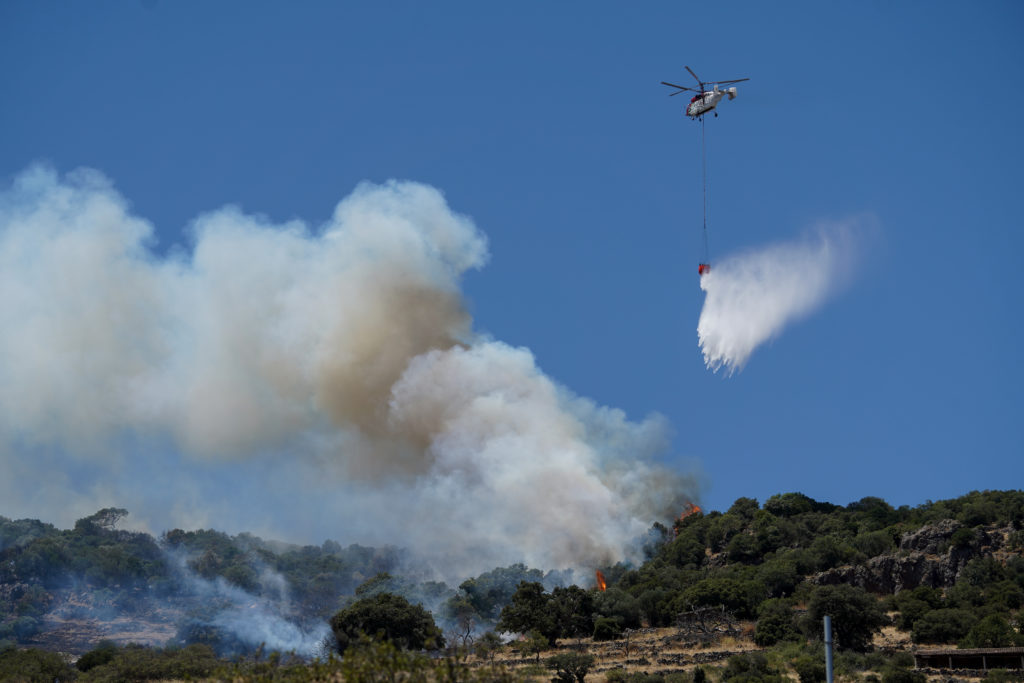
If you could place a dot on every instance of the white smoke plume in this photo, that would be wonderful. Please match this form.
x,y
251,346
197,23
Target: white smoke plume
x,y
303,382
752,297
266,620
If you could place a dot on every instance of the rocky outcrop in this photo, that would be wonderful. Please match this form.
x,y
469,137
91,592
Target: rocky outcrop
x,y
931,539
926,557
893,573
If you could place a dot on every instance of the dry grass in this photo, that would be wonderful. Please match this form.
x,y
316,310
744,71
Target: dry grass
x,y
661,650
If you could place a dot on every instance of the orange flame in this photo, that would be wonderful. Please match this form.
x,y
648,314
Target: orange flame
x,y
601,583
690,509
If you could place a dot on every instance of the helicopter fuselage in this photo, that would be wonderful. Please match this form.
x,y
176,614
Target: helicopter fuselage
x,y
706,101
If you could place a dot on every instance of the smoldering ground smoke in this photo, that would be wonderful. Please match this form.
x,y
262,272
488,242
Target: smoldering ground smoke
x,y
305,382
752,297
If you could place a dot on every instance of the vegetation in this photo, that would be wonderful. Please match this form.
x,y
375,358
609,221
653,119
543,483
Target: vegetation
x,y
856,615
570,667
386,617
949,572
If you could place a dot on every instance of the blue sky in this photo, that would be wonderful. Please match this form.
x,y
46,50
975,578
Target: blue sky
x,y
546,124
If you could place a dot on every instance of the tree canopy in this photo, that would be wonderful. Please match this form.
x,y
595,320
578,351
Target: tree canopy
x,y
388,617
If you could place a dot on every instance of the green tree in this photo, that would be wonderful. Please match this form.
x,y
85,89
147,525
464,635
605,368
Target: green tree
x,y
381,582
744,548
946,625
745,508
751,668
992,631
573,610
831,550
873,513
873,543
736,595
685,550
570,667
370,661
898,674
34,665
532,643
779,576
105,651
530,610
856,615
914,604
789,504
809,669
776,622
491,590
606,628
488,645
106,519
389,617
619,605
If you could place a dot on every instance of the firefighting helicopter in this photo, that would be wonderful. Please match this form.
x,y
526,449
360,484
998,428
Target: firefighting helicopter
x,y
705,100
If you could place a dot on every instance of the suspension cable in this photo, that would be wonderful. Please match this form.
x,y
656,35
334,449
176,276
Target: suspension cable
x,y
704,185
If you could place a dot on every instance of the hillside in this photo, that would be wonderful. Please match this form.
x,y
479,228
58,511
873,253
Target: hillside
x,y
943,572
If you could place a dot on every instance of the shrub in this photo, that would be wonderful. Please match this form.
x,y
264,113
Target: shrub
x,y
775,623
992,631
900,675
738,596
751,668
962,538
856,615
809,669
606,628
914,604
137,663
33,665
99,655
943,626
388,617
789,504
570,667
873,543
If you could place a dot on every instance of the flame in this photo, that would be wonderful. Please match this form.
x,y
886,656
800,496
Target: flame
x,y
690,509
601,583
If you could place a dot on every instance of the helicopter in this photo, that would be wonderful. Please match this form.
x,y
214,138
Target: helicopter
x,y
705,100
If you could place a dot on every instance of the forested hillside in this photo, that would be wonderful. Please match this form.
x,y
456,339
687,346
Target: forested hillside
x,y
944,572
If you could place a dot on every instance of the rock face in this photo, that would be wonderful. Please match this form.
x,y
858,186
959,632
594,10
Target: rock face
x,y
926,557
931,538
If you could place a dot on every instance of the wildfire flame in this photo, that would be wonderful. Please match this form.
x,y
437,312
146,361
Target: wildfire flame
x,y
690,509
601,583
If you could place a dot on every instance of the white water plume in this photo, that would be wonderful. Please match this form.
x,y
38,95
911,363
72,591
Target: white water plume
x,y
298,382
753,296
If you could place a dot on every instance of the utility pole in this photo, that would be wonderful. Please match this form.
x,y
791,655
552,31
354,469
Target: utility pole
x,y
828,649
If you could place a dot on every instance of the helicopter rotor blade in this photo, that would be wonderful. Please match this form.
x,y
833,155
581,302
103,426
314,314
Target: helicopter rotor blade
x,y
681,88
695,77
735,80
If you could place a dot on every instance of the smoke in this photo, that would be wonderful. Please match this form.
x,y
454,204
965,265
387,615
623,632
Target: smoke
x,y
753,296
245,621
299,382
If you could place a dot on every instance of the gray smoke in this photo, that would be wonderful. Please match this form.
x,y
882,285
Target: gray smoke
x,y
252,620
299,382
753,296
